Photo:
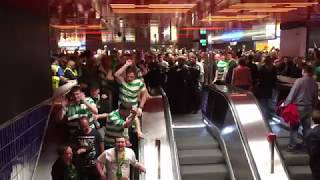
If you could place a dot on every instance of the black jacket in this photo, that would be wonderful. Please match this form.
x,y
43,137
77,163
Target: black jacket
x,y
313,146
61,171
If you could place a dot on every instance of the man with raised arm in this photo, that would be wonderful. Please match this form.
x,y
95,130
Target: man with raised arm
x,y
78,106
131,88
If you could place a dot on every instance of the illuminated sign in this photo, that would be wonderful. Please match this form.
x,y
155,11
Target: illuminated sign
x,y
203,42
72,41
203,31
258,32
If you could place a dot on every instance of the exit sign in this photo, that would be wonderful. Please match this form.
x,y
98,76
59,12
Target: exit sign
x,y
203,42
203,31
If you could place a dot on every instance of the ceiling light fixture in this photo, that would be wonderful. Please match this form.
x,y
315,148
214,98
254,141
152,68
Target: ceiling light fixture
x,y
233,18
198,28
151,8
272,10
57,26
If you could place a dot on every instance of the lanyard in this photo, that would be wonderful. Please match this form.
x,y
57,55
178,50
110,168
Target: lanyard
x,y
119,162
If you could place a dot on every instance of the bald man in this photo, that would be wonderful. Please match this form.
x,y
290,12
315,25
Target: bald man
x,y
88,145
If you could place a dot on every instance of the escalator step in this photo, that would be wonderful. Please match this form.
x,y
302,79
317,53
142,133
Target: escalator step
x,y
284,141
300,172
200,156
296,162
204,172
295,159
280,131
191,132
207,142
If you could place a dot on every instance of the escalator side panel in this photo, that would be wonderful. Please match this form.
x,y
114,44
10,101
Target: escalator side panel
x,y
296,162
218,114
251,126
154,128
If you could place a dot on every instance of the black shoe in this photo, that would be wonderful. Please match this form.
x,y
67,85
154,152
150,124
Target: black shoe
x,y
302,148
292,148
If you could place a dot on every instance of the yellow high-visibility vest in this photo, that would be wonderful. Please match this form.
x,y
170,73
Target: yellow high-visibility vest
x,y
55,80
74,72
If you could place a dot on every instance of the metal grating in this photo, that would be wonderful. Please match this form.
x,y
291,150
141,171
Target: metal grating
x,y
20,143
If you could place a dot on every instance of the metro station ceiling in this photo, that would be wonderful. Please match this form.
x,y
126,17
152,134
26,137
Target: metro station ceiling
x,y
222,14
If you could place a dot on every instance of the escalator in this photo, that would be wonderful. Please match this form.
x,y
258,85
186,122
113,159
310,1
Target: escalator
x,y
297,162
227,140
200,156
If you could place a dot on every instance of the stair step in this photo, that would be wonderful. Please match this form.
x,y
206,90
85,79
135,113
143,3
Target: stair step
x,y
297,162
283,142
300,172
204,172
200,156
206,142
191,132
296,159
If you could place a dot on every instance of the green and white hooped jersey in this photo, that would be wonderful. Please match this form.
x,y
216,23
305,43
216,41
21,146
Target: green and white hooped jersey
x,y
76,111
129,92
222,69
114,128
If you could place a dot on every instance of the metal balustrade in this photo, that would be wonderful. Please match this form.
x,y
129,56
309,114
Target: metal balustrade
x,y
20,142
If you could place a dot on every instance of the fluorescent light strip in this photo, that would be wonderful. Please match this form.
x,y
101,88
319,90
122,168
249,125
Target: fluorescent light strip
x,y
188,126
229,11
240,5
128,6
199,28
141,6
234,18
226,20
237,17
75,26
271,10
153,6
298,3
149,11
175,6
297,6
251,6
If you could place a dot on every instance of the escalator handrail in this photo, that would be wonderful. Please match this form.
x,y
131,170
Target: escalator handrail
x,y
170,134
270,130
141,153
61,91
244,141
231,103
216,133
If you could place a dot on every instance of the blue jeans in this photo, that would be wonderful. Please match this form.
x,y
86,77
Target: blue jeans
x,y
267,107
305,120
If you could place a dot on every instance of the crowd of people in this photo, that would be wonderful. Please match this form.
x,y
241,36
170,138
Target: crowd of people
x,y
102,114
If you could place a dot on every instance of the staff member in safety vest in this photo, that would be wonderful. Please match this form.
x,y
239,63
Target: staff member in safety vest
x,y
57,75
71,72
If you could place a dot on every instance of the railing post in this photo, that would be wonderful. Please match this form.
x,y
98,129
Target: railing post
x,y
158,145
272,139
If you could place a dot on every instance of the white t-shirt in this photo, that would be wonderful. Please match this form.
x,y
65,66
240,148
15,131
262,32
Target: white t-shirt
x,y
108,157
200,64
